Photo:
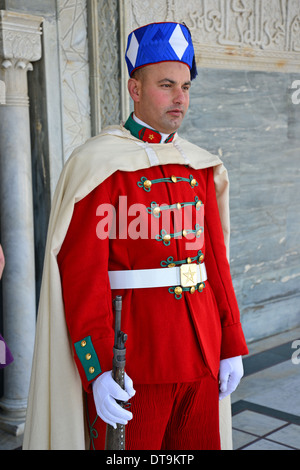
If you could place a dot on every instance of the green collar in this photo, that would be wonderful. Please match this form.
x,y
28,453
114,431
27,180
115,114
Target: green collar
x,y
144,133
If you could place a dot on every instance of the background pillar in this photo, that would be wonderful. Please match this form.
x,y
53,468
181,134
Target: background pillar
x,y
20,44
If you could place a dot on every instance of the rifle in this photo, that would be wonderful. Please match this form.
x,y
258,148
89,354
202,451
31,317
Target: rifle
x,y
115,438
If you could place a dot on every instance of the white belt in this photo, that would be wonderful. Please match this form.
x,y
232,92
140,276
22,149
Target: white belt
x,y
186,275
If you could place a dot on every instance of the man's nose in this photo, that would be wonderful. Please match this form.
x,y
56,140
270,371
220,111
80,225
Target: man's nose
x,y
178,96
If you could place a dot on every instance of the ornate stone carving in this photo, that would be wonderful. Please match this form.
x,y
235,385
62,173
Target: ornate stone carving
x,y
109,52
105,20
20,44
241,34
73,40
20,36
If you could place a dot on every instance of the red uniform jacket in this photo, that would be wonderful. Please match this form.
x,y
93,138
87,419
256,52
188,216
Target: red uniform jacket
x,y
171,338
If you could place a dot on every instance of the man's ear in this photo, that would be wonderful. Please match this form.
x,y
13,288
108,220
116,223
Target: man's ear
x,y
134,88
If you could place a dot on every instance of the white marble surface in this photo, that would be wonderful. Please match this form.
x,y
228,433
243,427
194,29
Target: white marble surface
x,y
73,48
276,387
248,118
20,46
2,92
18,282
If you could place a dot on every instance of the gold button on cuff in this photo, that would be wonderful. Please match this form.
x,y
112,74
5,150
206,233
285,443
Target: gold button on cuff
x,y
201,258
171,265
192,289
189,260
201,287
88,358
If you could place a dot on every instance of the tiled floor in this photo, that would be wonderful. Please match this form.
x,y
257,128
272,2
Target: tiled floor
x,y
266,405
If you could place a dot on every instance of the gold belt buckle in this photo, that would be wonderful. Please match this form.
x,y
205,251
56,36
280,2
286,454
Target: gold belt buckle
x,y
188,275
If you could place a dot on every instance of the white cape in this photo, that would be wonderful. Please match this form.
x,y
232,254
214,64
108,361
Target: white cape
x,y
55,413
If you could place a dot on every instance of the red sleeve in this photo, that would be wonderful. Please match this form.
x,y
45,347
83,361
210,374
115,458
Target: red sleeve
x,y
218,271
83,264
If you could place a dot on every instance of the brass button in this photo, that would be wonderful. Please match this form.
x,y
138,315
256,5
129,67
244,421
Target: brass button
x,y
192,289
201,258
167,238
198,205
156,210
201,287
178,290
174,179
91,370
147,184
189,260
88,356
171,265
198,233
83,343
193,182
179,206
184,233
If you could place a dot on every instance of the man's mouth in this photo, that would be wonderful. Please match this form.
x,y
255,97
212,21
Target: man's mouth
x,y
175,112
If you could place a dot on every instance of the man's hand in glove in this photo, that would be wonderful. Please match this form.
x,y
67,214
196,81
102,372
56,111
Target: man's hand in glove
x,y
106,391
230,374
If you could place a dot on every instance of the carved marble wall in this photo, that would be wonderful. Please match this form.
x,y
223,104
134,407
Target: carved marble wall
x,y
235,34
2,92
243,107
74,61
242,48
251,42
109,52
241,34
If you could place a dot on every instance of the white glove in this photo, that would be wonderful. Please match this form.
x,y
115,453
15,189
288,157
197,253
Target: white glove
x,y
230,374
106,391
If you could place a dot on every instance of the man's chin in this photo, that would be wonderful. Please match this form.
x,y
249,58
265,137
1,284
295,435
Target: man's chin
x,y
173,126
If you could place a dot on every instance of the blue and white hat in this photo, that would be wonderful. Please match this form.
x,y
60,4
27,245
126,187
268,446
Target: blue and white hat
x,y
160,42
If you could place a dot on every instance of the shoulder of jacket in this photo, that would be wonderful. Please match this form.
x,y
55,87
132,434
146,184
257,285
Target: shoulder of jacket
x,y
198,152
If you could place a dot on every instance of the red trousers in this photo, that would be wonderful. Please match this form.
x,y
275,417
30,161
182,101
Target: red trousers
x,y
167,417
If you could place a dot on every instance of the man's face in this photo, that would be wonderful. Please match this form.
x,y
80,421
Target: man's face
x,y
162,95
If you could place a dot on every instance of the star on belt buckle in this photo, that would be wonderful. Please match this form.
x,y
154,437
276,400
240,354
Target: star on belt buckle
x,y
188,275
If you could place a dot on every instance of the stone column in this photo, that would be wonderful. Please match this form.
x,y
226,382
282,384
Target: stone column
x,y
20,44
2,92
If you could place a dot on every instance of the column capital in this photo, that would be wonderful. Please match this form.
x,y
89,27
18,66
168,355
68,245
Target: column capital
x,y
20,45
20,36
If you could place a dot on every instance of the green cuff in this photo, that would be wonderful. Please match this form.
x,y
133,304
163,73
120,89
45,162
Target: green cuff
x,y
87,355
